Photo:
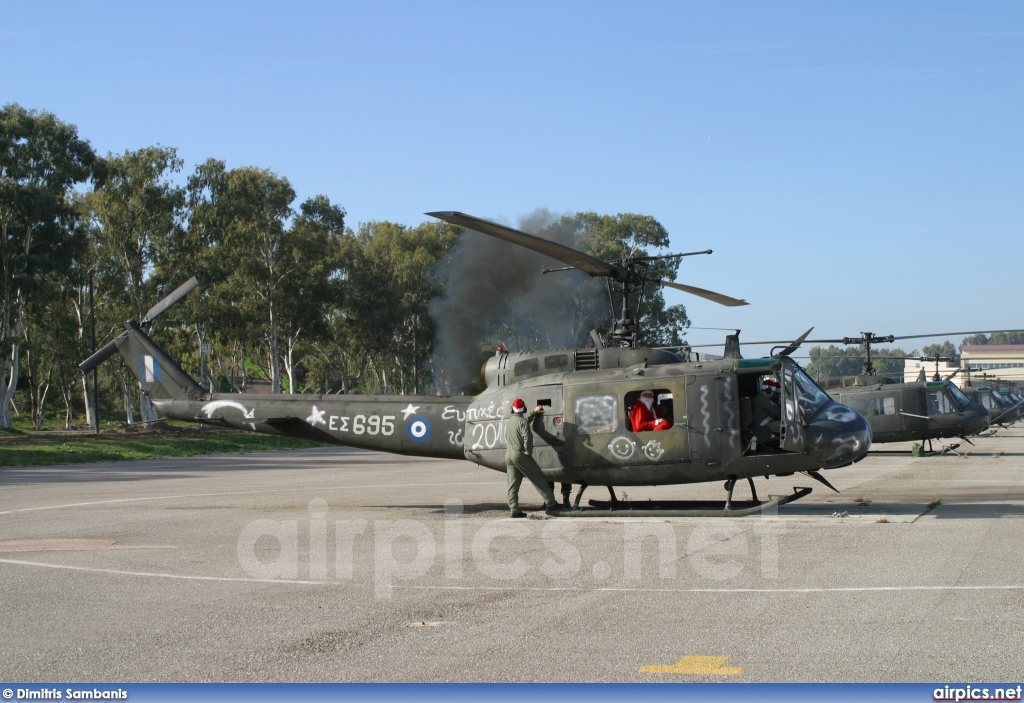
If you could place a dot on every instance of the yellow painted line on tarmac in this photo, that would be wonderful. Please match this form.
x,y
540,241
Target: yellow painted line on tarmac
x,y
693,665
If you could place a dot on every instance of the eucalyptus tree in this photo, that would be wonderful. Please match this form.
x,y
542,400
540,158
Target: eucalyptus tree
x,y
136,218
314,290
42,160
52,350
243,215
388,289
612,237
271,274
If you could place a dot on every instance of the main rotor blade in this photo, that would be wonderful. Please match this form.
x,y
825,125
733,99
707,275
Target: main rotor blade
x,y
954,334
567,255
775,341
178,293
701,293
795,345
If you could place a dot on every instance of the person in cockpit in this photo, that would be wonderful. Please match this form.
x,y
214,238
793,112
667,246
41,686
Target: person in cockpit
x,y
645,416
764,407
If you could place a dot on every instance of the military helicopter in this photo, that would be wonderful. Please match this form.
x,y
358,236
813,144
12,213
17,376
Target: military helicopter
x,y
584,436
922,410
1004,404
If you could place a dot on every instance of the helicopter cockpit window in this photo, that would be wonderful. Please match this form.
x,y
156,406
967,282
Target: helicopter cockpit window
x,y
596,414
959,398
810,397
999,397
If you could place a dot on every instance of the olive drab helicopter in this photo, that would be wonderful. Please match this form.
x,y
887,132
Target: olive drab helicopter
x,y
584,437
1004,402
922,410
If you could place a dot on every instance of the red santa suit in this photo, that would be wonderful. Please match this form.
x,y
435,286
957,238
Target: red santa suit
x,y
644,417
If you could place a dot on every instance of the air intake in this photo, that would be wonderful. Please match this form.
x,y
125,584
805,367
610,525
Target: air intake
x,y
586,360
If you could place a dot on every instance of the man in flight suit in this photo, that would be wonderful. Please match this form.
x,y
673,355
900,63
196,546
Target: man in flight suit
x,y
519,460
764,408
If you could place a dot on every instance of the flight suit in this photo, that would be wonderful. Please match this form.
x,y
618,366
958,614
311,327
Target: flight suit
x,y
765,411
519,461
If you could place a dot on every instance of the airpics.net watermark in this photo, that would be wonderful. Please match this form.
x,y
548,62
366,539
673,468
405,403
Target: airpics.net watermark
x,y
458,550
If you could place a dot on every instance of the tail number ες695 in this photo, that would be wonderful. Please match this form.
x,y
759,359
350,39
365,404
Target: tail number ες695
x,y
370,424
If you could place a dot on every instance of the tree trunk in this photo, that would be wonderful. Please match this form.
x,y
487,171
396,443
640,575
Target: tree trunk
x,y
90,401
67,393
12,385
289,365
275,354
41,403
126,398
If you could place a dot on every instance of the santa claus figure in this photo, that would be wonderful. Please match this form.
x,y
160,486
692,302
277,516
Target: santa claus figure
x,y
645,417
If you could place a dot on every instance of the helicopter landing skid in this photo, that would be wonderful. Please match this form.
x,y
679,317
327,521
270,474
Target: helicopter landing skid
x,y
687,508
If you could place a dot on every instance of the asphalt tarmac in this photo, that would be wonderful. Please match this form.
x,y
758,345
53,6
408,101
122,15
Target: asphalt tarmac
x,y
347,565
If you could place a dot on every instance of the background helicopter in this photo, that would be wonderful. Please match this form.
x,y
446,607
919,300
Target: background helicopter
x,y
1004,402
584,436
920,410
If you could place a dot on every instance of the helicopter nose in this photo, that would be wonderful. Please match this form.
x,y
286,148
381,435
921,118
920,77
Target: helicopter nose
x,y
839,436
975,419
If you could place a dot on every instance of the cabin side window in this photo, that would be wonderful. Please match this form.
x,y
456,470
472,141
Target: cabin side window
x,y
596,414
861,405
662,407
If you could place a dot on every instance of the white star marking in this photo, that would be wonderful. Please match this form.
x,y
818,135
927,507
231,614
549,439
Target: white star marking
x,y
409,411
317,417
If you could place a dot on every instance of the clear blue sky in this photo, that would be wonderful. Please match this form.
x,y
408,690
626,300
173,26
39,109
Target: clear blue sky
x,y
855,166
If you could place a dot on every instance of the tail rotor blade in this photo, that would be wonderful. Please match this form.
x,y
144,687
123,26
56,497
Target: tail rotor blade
x,y
179,293
101,355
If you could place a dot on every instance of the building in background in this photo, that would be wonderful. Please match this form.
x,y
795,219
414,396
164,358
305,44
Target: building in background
x,y
1002,361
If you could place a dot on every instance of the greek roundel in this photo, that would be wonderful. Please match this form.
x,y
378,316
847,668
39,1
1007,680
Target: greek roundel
x,y
418,428
149,369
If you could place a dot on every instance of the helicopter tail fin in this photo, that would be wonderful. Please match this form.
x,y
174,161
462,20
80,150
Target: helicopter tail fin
x,y
159,375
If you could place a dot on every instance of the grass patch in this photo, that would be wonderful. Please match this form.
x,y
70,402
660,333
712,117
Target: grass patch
x,y
19,448
882,519
936,502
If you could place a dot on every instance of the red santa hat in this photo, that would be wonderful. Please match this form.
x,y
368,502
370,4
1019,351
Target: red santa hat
x,y
769,383
518,406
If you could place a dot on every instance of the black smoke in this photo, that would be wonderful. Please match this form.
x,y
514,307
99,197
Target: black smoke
x,y
495,293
